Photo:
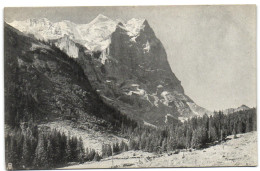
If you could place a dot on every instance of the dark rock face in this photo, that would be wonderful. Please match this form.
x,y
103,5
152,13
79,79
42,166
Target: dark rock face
x,y
137,79
147,64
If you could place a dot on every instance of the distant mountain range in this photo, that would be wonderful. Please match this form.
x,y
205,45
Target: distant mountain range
x,y
124,62
232,110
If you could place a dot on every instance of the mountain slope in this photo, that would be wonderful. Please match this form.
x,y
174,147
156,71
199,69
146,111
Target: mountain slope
x,y
125,62
42,83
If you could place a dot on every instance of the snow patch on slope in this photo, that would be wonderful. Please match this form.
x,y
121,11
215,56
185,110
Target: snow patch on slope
x,y
149,124
147,47
103,57
167,98
139,91
156,99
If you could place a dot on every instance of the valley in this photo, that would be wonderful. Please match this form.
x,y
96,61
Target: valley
x,y
102,94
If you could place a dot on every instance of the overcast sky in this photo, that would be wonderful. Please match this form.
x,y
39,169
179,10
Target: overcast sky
x,y
211,49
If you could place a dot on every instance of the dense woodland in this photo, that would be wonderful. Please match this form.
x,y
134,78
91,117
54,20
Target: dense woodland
x,y
32,148
36,148
197,132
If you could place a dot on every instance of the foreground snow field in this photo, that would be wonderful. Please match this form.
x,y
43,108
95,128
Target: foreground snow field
x,y
241,151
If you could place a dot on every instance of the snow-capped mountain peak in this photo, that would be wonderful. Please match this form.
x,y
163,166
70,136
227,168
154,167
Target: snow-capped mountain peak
x,y
44,29
134,26
100,18
95,35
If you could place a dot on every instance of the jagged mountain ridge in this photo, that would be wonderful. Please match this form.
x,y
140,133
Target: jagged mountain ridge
x,y
126,63
94,35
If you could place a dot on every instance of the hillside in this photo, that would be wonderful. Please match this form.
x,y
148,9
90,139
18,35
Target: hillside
x,y
43,84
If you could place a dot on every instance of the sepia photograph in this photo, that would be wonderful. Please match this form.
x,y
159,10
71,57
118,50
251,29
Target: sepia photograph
x,y
92,87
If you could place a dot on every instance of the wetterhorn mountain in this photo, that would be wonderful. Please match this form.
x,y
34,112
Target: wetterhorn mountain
x,y
125,63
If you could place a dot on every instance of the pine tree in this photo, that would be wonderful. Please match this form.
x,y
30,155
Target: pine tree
x,y
68,150
50,153
26,156
248,124
13,156
169,146
41,157
91,154
199,137
123,146
63,145
188,138
97,157
164,145
235,134
109,150
80,151
19,147
116,148
212,135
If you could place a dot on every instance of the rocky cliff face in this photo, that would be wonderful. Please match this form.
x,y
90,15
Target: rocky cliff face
x,y
127,65
68,46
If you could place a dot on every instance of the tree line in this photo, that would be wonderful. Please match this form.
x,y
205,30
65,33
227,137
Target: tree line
x,y
34,148
197,132
30,147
